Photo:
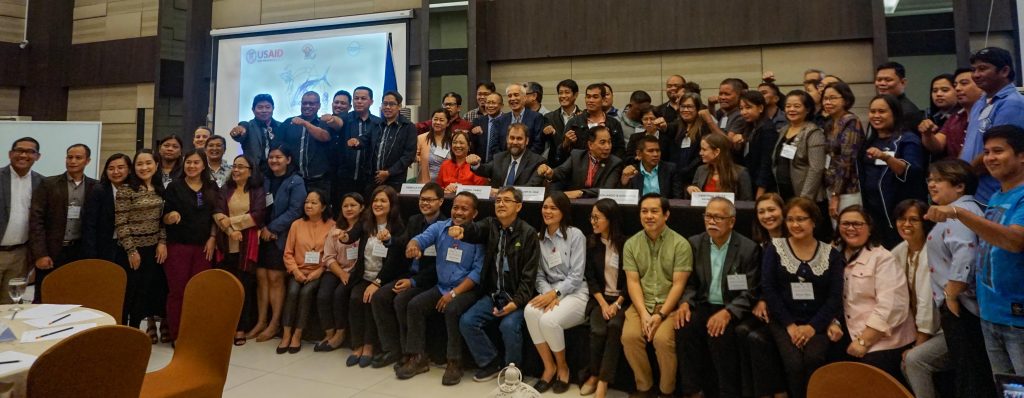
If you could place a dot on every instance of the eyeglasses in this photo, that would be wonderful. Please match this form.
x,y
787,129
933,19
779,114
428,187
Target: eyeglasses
x,y
797,219
855,225
23,151
429,200
499,201
389,104
716,218
449,104
688,107
241,166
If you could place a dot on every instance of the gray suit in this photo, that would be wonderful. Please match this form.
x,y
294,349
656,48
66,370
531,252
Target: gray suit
x,y
743,257
5,195
526,170
807,168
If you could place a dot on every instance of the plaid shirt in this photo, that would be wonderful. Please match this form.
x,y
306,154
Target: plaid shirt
x,y
843,148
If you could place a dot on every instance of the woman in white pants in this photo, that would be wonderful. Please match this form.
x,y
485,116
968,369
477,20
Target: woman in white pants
x,y
562,297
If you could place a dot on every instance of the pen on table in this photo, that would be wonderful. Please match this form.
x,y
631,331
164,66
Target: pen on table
x,y
59,319
9,362
55,332
14,314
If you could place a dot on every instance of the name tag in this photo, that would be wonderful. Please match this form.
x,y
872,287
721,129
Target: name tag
x,y
686,143
532,194
828,160
270,198
622,196
454,255
736,282
431,251
312,258
639,130
481,191
802,291
701,199
724,122
379,250
440,152
880,162
411,189
352,253
552,258
74,212
788,151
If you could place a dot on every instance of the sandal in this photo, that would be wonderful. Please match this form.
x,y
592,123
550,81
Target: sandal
x,y
165,332
239,341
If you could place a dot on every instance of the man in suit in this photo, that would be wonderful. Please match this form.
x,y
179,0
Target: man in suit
x,y
485,129
257,134
514,167
580,127
717,297
55,219
568,90
392,147
652,175
534,122
17,181
585,172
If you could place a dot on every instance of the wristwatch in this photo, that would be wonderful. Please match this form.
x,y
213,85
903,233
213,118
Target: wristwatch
x,y
558,293
453,293
861,342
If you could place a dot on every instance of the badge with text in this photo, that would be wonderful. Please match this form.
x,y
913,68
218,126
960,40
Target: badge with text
x,y
736,281
701,199
312,257
411,189
788,151
621,196
802,291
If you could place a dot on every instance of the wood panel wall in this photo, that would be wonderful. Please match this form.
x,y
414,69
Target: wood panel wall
x,y
233,13
9,100
115,106
12,20
100,20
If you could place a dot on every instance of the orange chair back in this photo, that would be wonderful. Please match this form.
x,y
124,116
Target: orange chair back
x,y
101,362
94,283
854,380
210,312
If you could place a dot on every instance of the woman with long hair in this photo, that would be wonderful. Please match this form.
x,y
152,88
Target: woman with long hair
x,y
191,236
719,173
455,170
336,285
762,134
170,159
434,146
286,192
606,282
239,215
844,138
303,256
688,132
138,207
98,237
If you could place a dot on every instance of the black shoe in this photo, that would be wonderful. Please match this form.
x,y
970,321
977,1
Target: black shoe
x,y
452,374
417,364
402,362
488,372
365,361
352,360
542,386
385,359
323,346
294,350
559,387
282,350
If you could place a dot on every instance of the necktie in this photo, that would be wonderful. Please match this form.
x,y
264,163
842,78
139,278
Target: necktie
x,y
591,171
510,179
490,138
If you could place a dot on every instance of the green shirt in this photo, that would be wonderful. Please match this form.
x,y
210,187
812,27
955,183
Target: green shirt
x,y
717,264
656,261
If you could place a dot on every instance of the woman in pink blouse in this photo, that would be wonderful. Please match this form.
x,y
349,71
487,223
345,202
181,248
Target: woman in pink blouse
x,y
876,300
336,285
303,257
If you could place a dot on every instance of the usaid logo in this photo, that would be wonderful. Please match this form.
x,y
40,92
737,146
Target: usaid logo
x,y
253,56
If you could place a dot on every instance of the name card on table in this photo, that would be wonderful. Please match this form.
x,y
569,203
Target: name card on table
x,y
411,189
532,194
481,191
621,196
701,199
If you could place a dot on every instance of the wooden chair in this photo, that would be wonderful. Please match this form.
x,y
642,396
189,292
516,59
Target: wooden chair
x,y
854,380
94,283
101,362
199,368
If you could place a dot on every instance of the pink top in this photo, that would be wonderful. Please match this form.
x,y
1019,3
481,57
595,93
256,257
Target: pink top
x,y
875,295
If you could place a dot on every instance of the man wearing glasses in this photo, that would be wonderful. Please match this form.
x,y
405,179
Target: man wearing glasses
x,y
310,138
452,104
509,274
726,265
392,147
17,181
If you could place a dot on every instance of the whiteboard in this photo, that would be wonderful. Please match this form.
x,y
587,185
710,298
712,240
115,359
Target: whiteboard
x,y
54,139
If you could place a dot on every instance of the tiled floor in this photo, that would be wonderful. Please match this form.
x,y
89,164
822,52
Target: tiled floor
x,y
256,371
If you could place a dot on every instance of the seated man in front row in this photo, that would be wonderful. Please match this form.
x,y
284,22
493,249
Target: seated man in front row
x,y
652,175
716,299
513,167
586,172
657,262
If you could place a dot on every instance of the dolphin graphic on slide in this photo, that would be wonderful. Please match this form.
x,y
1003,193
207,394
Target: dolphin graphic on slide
x,y
310,85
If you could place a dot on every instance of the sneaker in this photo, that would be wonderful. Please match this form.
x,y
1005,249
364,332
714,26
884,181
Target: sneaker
x,y
452,374
416,365
487,373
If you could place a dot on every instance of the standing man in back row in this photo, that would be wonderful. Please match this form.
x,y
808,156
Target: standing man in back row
x,y
392,148
360,122
311,137
256,135
17,181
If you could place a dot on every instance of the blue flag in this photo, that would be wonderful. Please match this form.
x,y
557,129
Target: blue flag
x,y
390,81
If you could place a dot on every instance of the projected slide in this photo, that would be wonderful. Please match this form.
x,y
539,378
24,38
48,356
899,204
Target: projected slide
x,y
287,69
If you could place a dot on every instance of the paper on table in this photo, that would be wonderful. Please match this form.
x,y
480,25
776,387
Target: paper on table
x,y
32,336
74,317
26,361
45,310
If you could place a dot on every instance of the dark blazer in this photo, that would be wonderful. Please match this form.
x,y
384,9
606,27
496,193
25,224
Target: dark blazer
x,y
554,143
397,158
49,215
522,250
594,273
572,174
98,239
758,159
478,142
533,120
686,159
579,125
669,181
743,257
526,171
254,142
353,159
395,264
5,195
426,274
287,207
744,190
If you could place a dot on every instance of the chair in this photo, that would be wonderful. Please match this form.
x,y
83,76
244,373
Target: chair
x,y
199,368
94,283
101,362
854,380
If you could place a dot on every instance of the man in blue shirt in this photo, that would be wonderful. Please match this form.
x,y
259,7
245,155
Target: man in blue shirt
x,y
457,272
1000,266
652,175
1001,104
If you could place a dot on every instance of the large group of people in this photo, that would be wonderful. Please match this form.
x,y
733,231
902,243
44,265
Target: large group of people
x,y
896,242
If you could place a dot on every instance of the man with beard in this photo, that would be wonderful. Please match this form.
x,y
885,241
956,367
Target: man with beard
x,y
256,135
311,138
514,167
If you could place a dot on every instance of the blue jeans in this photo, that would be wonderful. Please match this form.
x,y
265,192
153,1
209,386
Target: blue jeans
x,y
473,323
1005,345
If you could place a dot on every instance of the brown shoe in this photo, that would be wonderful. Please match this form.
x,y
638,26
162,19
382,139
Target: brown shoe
x,y
452,374
416,365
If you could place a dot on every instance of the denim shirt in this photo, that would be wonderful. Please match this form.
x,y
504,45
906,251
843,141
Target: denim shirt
x,y
1006,107
570,249
952,248
451,274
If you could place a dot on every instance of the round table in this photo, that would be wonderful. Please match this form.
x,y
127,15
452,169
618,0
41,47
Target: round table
x,y
12,384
